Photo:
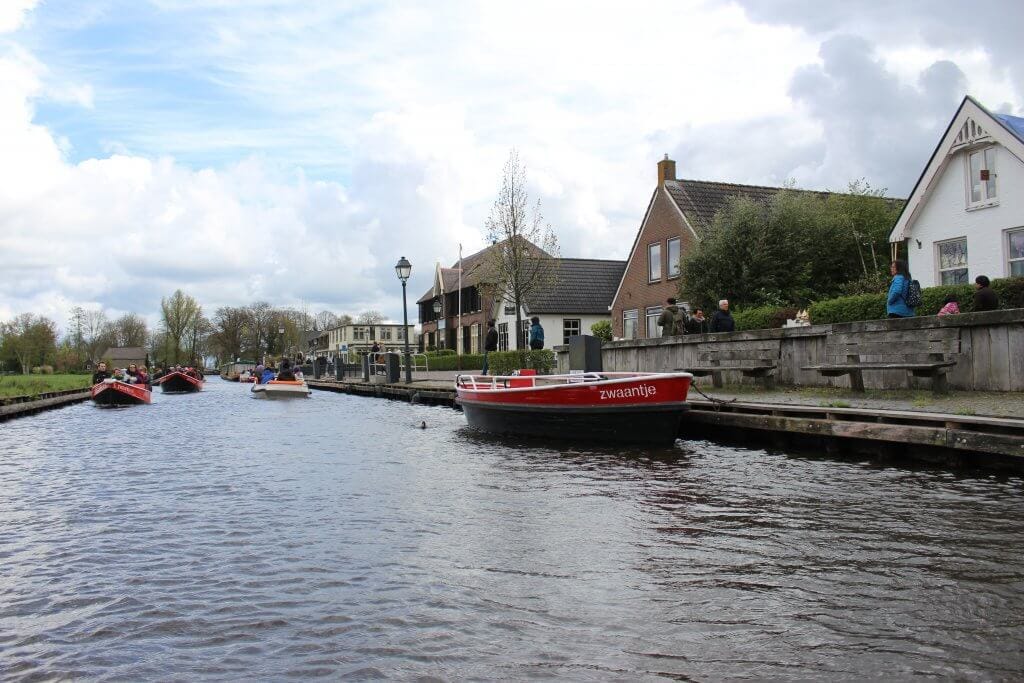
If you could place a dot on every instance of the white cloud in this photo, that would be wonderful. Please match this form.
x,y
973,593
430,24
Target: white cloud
x,y
13,13
293,151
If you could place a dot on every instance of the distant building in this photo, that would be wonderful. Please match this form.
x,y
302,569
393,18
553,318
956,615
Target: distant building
x,y
354,338
579,295
965,216
123,356
446,329
677,214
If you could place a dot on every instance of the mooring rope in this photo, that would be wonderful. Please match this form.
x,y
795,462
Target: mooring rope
x,y
716,401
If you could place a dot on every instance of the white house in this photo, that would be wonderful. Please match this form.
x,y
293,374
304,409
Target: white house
x,y
579,296
965,216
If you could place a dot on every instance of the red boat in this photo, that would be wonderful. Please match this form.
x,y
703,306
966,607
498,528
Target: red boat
x,y
624,407
111,392
180,383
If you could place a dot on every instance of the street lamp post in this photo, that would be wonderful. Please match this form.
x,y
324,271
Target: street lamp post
x,y
404,269
437,318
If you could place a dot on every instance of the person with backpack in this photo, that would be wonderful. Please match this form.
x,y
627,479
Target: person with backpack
x,y
536,334
901,303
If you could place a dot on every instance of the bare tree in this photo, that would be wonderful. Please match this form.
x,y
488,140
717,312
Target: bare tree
x,y
91,332
344,319
325,320
130,330
370,317
230,327
523,258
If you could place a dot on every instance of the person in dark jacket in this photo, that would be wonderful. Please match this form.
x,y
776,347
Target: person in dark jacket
x,y
698,324
490,344
286,373
985,298
536,334
101,373
722,320
671,319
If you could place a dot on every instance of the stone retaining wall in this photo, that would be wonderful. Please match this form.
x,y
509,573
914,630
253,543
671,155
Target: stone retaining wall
x,y
991,354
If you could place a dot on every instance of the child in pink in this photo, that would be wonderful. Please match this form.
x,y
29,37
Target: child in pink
x,y
951,307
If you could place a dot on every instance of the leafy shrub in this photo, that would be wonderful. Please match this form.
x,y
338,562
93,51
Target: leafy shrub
x,y
762,317
1010,291
507,362
42,370
440,352
451,361
934,298
846,309
602,329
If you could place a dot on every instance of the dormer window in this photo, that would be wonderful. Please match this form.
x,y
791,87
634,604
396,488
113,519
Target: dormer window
x,y
981,178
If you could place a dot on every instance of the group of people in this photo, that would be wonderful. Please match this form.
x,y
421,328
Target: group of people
x,y
183,369
133,374
286,372
898,303
675,321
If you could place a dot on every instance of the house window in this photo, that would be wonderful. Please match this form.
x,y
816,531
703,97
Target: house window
x,y
1015,252
570,328
673,257
474,338
652,322
981,183
629,320
654,262
503,336
400,333
385,333
526,332
510,309
359,333
952,257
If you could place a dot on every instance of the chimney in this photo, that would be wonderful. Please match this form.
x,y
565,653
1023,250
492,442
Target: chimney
x,y
666,170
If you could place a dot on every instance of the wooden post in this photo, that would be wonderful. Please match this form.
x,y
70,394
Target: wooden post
x,y
856,378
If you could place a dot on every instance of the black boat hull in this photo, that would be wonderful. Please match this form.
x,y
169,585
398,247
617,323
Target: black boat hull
x,y
648,425
176,384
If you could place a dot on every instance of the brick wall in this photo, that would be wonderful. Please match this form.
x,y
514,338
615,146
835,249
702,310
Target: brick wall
x,y
663,223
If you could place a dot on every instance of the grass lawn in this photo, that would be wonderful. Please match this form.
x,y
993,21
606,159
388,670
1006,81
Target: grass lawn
x,y
32,385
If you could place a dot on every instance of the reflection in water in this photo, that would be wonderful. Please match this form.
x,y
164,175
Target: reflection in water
x,y
216,536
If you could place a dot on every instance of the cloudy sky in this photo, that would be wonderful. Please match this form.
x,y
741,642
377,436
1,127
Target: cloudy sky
x,y
293,150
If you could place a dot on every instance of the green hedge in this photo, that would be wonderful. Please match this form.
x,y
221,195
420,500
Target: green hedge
x,y
467,361
507,362
847,309
762,317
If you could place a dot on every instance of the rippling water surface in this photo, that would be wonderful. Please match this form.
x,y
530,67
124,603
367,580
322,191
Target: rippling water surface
x,y
214,536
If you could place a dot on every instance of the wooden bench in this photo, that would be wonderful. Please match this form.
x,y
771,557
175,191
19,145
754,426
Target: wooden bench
x,y
921,353
757,358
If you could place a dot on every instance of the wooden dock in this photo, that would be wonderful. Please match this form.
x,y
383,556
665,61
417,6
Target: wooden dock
x,y
972,441
29,405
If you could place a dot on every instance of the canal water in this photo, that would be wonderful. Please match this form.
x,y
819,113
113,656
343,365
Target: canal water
x,y
213,536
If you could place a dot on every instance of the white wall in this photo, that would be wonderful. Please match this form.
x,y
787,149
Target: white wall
x,y
552,324
945,216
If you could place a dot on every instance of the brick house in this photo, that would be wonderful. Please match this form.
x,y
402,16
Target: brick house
x,y
678,212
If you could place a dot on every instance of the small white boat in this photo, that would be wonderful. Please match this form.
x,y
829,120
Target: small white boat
x,y
278,388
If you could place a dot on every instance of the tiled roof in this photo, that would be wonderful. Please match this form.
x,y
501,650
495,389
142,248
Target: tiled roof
x,y
700,200
124,353
1014,124
581,286
472,271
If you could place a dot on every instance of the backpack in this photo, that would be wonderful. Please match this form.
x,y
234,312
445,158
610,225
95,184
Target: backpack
x,y
913,297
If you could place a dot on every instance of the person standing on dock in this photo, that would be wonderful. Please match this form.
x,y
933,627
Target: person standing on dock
x,y
722,320
490,344
896,305
671,319
536,334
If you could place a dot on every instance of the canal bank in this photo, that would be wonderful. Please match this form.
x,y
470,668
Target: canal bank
x,y
957,440
20,406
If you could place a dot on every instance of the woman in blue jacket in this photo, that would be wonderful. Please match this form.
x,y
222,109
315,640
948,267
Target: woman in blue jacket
x,y
896,306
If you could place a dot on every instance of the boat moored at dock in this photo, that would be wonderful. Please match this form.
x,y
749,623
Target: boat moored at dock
x,y
622,407
114,393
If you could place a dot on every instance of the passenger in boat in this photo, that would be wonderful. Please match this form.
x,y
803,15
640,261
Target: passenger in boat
x,y
257,373
266,376
158,372
671,319
697,324
131,374
490,343
536,334
101,373
722,320
286,373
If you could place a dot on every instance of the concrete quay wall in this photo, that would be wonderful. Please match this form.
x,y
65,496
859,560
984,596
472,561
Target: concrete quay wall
x,y
990,357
